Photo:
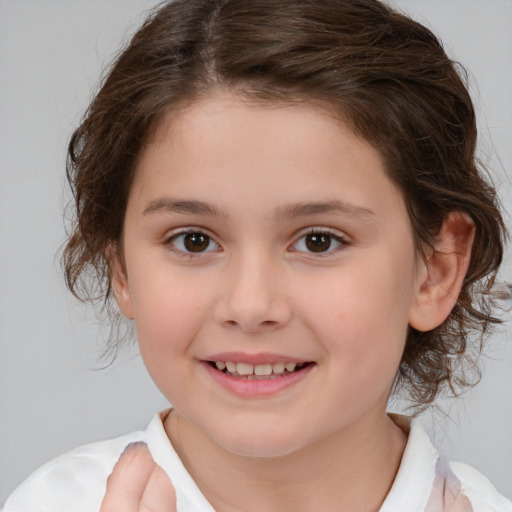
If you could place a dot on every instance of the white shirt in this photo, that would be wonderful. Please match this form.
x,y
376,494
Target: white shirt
x,y
76,481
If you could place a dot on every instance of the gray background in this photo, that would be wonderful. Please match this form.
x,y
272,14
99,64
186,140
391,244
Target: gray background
x,y
53,395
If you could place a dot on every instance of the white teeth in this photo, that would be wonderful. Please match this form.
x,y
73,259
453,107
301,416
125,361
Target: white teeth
x,y
244,369
260,370
278,367
263,369
231,367
290,367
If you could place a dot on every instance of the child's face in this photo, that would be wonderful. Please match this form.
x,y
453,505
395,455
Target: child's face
x,y
266,235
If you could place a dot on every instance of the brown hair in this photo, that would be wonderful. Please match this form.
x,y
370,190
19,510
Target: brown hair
x,y
385,74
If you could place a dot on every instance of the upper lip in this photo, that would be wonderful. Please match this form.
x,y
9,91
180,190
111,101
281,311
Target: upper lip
x,y
260,358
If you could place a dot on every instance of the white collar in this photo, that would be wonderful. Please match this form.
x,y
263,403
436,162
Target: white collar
x,y
413,483
188,496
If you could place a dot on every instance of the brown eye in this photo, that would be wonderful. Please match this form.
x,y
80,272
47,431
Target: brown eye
x,y
318,242
192,242
196,242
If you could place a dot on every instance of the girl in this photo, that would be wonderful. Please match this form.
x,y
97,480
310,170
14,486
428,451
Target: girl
x,y
283,197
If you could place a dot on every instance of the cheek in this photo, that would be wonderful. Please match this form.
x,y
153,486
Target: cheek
x,y
362,316
169,310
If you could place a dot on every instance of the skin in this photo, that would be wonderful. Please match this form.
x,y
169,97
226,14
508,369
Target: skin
x,y
137,484
257,288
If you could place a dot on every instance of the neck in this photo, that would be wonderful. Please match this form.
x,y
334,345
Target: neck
x,y
352,469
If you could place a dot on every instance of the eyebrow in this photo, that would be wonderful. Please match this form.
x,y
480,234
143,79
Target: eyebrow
x,y
187,207
324,207
293,210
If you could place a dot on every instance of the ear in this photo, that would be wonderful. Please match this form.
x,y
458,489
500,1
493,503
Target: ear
x,y
443,272
119,277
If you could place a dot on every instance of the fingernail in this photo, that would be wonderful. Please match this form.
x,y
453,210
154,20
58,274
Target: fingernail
x,y
132,446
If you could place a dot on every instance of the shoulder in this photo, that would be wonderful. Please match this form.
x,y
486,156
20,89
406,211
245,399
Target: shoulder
x,y
427,482
75,481
479,490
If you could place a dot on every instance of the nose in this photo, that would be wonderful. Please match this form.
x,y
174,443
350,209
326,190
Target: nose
x,y
252,297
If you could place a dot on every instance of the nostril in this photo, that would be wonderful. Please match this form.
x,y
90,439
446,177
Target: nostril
x,y
266,324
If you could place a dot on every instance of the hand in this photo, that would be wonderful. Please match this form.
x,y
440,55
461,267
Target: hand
x,y
138,484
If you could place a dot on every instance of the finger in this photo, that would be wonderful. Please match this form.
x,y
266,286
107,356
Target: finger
x,y
126,484
159,494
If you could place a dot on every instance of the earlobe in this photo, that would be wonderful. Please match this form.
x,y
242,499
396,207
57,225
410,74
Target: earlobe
x,y
443,273
120,285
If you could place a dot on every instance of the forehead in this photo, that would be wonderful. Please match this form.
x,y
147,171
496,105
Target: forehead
x,y
282,153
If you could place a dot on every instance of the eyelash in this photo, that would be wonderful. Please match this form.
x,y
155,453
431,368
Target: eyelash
x,y
171,241
342,242
333,236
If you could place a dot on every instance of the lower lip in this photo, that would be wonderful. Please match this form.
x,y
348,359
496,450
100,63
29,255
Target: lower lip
x,y
253,388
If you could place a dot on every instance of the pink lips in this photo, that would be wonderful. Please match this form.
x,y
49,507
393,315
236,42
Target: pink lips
x,y
255,388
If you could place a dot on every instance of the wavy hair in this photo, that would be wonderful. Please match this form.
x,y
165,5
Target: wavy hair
x,y
384,74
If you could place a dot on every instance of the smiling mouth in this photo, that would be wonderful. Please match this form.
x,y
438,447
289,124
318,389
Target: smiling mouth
x,y
257,371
